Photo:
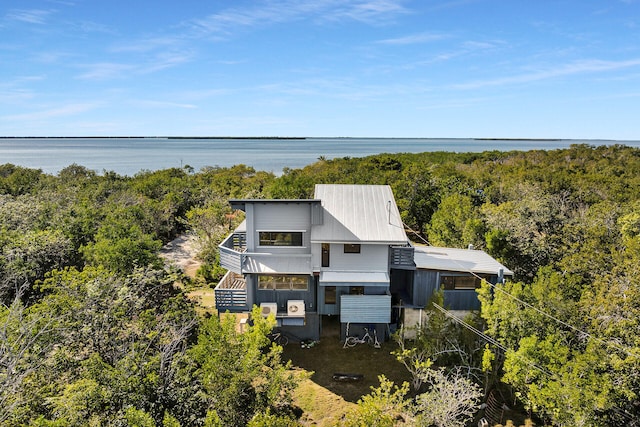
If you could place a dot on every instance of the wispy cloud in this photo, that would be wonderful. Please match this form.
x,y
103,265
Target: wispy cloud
x,y
414,39
282,11
579,67
30,16
106,70
66,110
161,104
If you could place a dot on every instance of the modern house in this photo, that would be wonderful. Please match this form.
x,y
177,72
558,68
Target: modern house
x,y
342,254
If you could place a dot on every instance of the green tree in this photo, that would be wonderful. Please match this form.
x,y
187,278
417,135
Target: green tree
x,y
385,406
456,223
237,375
120,246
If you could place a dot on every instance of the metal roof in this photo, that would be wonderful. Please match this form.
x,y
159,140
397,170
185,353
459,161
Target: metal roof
x,y
349,278
459,260
241,203
358,213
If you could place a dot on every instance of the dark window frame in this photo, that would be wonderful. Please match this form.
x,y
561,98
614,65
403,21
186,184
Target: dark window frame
x,y
352,248
453,282
292,239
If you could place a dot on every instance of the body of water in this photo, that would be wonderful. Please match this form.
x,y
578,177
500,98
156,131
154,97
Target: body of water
x,y
128,156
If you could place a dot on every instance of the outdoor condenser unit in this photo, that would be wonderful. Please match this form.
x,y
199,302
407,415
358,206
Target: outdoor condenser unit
x,y
295,307
267,308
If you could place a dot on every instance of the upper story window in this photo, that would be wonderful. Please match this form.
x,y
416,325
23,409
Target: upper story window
x,y
351,249
280,238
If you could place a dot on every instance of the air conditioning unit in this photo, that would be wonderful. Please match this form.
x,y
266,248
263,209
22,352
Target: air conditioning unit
x,y
295,307
267,308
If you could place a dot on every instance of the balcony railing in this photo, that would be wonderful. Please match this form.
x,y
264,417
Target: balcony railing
x,y
401,257
231,293
231,252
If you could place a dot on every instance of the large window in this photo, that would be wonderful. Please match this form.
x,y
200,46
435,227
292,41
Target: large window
x,y
280,238
450,283
283,283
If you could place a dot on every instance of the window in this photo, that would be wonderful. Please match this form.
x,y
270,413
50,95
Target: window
x,y
283,283
356,290
326,250
280,238
459,282
330,295
351,249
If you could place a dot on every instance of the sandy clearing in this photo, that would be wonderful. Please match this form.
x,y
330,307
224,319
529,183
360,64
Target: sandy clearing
x,y
182,252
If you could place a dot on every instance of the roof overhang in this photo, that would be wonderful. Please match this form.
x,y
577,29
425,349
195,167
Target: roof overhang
x,y
354,278
240,204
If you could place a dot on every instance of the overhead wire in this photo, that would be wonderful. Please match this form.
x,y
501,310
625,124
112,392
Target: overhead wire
x,y
575,329
494,342
505,349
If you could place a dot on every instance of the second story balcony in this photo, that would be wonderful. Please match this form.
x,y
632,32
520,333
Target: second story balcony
x,y
232,251
234,257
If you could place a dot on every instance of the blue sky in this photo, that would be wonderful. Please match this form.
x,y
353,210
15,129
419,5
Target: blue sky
x,y
385,68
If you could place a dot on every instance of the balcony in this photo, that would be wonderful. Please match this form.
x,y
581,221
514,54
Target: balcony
x,y
401,257
231,293
232,252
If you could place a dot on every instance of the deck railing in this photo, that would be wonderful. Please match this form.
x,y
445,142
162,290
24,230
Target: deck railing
x,y
231,251
231,293
402,257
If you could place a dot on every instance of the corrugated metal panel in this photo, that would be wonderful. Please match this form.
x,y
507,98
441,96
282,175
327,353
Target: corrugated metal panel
x,y
365,308
453,259
466,299
425,283
358,213
351,278
317,212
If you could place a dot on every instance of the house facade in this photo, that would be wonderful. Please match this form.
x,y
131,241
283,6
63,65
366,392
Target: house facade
x,y
343,254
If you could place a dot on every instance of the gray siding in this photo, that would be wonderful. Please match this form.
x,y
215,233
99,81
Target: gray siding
x,y
280,217
425,283
461,300
370,258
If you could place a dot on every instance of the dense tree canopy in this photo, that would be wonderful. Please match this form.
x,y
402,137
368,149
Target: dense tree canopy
x,y
92,327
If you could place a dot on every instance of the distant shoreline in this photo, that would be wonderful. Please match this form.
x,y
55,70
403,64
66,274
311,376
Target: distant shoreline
x,y
152,137
302,138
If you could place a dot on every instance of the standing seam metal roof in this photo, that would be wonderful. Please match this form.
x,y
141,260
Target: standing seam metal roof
x,y
460,260
352,213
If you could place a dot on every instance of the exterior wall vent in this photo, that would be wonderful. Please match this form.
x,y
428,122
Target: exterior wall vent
x,y
295,308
